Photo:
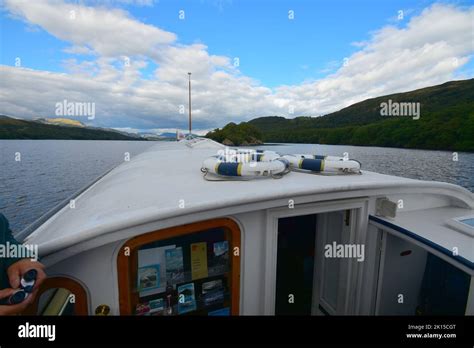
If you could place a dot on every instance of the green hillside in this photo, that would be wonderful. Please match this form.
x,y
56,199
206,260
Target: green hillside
x,y
232,134
11,128
446,122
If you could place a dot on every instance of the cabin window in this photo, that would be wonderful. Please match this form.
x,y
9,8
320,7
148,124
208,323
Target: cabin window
x,y
59,296
186,270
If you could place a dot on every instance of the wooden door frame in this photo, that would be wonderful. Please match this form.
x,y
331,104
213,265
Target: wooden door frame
x,y
127,260
76,288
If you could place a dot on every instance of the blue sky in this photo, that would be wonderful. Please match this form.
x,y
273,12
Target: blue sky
x,y
270,47
273,50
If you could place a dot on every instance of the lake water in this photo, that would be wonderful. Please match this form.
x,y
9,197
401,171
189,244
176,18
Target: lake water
x,y
50,171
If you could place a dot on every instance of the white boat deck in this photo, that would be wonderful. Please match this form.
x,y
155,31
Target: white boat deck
x,y
166,181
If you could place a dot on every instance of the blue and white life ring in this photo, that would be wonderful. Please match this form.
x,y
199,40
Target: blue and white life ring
x,y
323,157
323,164
247,163
250,163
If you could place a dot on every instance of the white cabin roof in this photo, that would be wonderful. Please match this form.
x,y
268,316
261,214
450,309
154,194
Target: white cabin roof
x,y
155,184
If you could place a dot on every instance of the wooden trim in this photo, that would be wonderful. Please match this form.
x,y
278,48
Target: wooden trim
x,y
127,259
80,306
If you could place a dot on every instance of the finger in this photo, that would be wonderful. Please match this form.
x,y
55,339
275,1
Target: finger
x,y
14,276
8,310
31,297
5,293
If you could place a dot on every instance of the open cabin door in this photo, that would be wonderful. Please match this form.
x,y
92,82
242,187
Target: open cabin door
x,y
307,275
331,281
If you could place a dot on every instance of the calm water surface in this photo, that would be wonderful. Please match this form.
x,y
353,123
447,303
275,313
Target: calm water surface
x,y
52,170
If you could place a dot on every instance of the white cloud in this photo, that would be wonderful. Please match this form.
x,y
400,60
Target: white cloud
x,y
428,50
79,50
108,32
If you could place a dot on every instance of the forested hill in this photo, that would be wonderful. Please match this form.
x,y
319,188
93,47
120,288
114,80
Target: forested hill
x,y
446,122
12,128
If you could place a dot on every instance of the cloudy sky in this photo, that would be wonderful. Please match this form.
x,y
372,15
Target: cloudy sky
x,y
247,58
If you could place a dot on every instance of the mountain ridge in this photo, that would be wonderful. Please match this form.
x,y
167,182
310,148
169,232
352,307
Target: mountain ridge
x,y
15,128
446,122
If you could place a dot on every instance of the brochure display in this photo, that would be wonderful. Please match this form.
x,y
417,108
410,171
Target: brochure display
x,y
185,275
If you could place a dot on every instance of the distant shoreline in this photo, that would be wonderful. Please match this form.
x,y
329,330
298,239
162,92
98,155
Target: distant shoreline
x,y
81,139
371,146
19,129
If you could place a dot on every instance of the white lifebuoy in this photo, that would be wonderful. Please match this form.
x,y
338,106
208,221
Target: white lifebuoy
x,y
215,165
254,163
318,165
323,157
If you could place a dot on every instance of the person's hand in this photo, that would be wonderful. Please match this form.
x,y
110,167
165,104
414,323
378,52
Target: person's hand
x,y
16,270
17,308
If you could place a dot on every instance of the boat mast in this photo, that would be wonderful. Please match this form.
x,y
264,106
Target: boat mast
x,y
189,75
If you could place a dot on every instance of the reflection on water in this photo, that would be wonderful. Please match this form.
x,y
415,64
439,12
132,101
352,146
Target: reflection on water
x,y
52,170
